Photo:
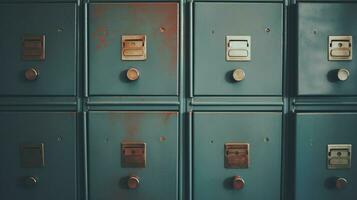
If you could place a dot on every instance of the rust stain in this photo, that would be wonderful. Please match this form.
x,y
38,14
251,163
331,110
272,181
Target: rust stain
x,y
101,34
100,10
164,31
167,116
170,35
131,122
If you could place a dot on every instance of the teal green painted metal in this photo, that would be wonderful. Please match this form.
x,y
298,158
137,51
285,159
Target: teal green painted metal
x,y
314,131
250,1
108,129
317,21
57,130
57,73
133,1
180,99
107,71
211,130
38,1
326,1
212,23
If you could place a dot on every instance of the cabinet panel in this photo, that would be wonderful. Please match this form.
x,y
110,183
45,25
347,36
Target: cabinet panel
x,y
133,49
38,49
133,155
38,155
235,154
236,51
326,34
325,141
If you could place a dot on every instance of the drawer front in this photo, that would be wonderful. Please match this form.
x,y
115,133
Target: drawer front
x,y
133,155
38,49
235,155
38,155
324,146
236,51
326,34
133,49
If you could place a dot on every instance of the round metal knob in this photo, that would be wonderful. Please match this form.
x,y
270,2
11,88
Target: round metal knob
x,y
133,182
341,183
238,75
343,74
31,74
132,74
30,181
238,183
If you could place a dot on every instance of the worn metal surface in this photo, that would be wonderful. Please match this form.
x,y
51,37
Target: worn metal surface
x,y
108,22
262,131
316,74
57,72
184,100
57,178
107,130
314,132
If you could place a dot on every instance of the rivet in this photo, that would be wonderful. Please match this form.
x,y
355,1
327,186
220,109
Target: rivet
x,y
162,138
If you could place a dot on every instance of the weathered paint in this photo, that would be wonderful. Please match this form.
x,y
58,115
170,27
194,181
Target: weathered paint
x,y
158,180
159,73
316,22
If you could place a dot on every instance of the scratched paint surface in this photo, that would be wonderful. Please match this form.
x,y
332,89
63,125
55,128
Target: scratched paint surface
x,y
108,129
107,71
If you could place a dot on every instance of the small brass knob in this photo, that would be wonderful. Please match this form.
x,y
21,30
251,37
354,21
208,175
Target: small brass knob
x,y
132,74
238,75
341,183
30,181
343,74
133,182
238,183
31,74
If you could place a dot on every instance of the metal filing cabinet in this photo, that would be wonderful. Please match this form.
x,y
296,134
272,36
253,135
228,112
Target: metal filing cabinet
x,y
326,64
133,88
324,158
236,132
133,155
133,49
38,155
39,106
230,48
38,49
174,100
325,107
235,153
